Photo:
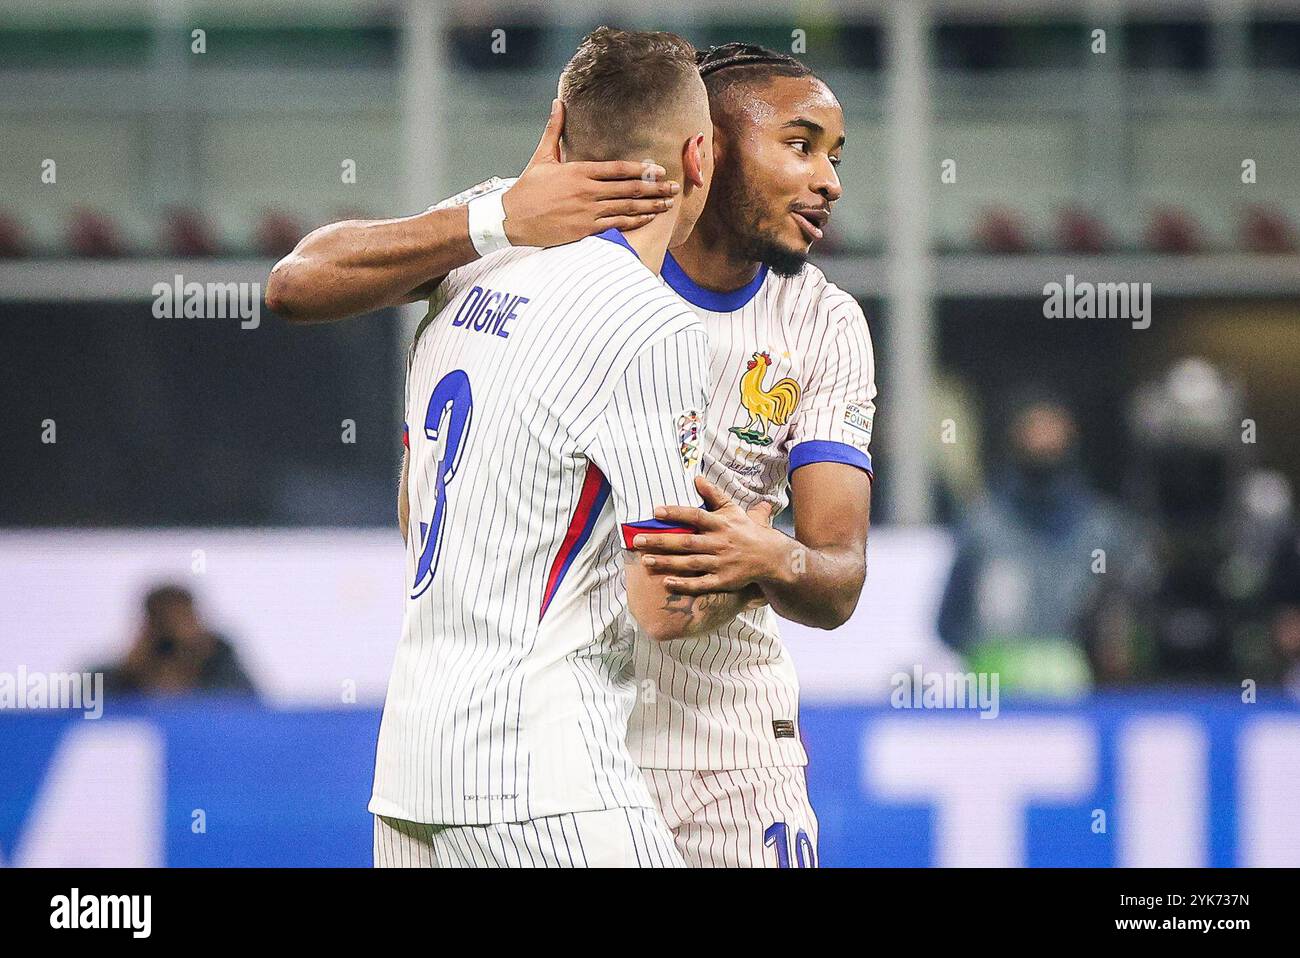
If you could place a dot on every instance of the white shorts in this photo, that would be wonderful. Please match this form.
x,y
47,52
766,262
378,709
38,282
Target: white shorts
x,y
610,838
746,818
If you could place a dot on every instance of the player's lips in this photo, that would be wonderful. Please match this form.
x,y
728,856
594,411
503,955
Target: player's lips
x,y
811,221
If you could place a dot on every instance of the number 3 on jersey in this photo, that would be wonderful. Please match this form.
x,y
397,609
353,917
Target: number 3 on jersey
x,y
446,424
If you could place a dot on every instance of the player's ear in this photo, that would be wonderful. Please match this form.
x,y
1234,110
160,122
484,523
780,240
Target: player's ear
x,y
692,161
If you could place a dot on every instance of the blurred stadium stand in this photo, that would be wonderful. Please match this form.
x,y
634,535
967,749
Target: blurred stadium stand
x,y
262,120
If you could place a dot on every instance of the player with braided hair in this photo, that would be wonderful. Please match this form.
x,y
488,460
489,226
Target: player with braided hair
x,y
716,725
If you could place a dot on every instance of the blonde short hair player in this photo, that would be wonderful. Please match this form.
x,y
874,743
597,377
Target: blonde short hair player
x,y
547,398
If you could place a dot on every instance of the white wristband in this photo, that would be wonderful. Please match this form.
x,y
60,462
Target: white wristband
x,y
487,223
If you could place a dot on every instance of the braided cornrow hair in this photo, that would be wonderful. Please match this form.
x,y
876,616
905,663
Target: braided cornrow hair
x,y
726,68
714,59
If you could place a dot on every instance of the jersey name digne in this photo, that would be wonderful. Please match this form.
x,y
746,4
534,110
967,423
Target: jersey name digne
x,y
551,398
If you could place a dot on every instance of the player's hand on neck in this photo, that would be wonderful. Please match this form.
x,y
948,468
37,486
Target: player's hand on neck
x,y
672,227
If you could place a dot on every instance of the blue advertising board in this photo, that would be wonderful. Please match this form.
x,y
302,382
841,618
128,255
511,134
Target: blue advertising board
x,y
1143,779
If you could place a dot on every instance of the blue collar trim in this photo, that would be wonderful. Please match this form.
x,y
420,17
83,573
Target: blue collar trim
x,y
710,299
614,236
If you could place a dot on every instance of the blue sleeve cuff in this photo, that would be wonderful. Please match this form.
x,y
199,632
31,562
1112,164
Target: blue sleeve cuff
x,y
824,450
632,529
652,525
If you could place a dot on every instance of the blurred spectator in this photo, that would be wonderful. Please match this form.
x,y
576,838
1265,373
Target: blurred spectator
x,y
175,653
1283,599
1027,568
1200,613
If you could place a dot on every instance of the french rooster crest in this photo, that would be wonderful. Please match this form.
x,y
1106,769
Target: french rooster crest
x,y
773,404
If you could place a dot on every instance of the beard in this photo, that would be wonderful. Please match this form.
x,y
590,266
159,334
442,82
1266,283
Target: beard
x,y
741,210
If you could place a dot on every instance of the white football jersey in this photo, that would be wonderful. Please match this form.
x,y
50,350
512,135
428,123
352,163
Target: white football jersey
x,y
793,383
552,395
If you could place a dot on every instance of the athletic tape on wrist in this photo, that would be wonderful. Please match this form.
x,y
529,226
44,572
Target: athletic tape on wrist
x,y
487,223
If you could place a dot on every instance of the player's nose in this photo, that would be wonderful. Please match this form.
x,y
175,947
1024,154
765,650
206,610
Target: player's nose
x,y
827,184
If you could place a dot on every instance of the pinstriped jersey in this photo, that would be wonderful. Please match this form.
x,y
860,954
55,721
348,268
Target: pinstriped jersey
x,y
551,396
793,383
